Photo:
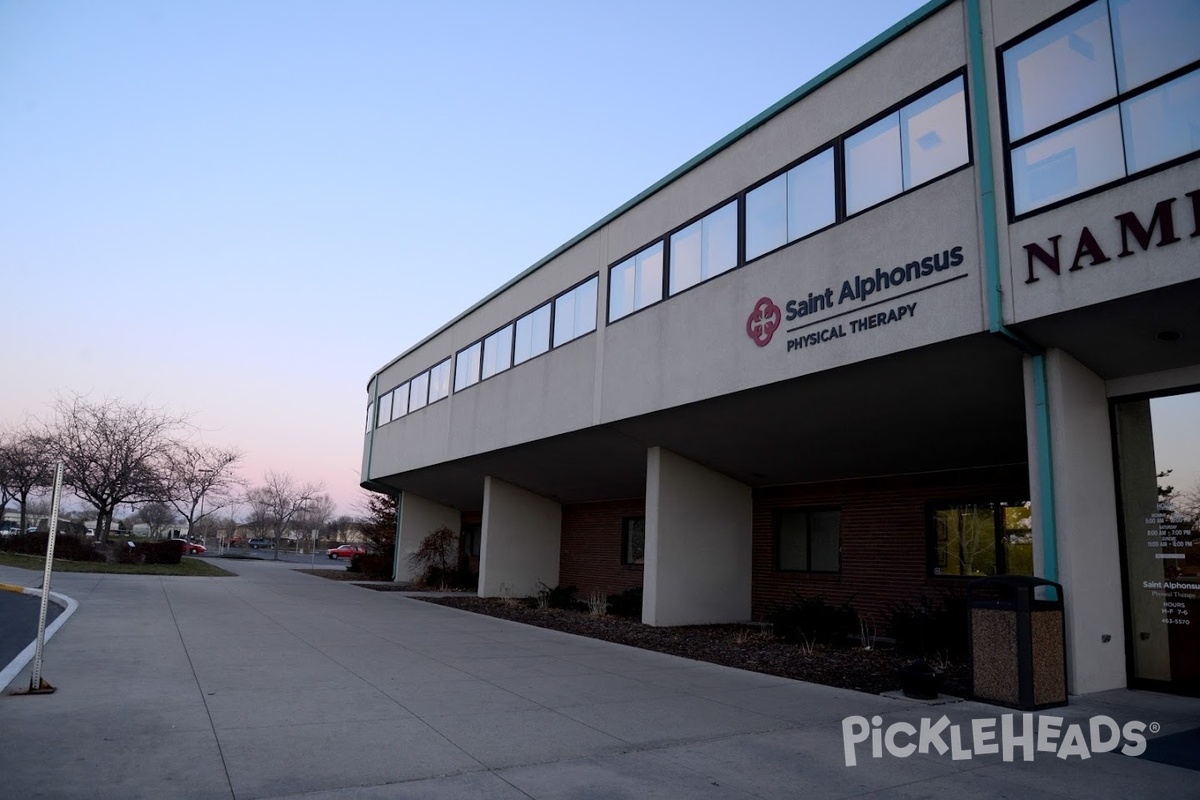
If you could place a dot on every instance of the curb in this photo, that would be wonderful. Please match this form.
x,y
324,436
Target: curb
x,y
9,673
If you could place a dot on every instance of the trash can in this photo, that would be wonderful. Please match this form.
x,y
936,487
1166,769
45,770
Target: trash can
x,y
1018,642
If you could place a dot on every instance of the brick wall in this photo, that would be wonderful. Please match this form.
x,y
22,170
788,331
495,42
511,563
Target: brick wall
x,y
883,537
590,556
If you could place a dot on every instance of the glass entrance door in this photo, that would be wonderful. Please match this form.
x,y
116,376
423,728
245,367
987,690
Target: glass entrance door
x,y
1158,469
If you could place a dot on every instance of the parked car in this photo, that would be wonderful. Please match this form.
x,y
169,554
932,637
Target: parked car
x,y
193,548
260,544
346,551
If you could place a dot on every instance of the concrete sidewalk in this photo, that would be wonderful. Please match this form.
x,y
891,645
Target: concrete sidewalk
x,y
277,684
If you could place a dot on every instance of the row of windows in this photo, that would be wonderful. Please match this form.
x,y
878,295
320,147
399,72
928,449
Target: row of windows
x,y
913,145
430,386
1109,91
568,316
966,539
920,141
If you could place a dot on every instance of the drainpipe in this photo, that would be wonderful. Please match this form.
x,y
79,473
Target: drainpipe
x,y
995,307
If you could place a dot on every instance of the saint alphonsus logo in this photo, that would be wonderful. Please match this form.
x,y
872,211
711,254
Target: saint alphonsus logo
x,y
762,322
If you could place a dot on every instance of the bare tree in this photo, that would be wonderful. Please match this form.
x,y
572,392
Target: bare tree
x,y
114,452
314,514
24,470
201,480
157,516
340,528
280,499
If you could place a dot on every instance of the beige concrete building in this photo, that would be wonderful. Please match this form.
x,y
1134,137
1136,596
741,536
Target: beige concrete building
x,y
904,329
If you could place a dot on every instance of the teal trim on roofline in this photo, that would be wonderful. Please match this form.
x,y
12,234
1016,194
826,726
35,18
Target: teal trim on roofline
x,y
883,39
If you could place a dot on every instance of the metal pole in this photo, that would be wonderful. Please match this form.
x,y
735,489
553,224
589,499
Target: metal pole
x,y
38,684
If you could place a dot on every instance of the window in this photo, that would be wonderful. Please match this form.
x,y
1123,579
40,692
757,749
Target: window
x,y
497,351
1068,161
418,391
705,248
790,206
1162,124
809,541
466,366
636,282
532,335
933,134
370,416
439,381
873,172
472,536
979,539
575,312
400,401
633,540
1061,71
1098,96
923,140
385,410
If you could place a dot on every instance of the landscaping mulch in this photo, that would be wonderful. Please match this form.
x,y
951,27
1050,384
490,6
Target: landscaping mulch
x,y
742,646
343,574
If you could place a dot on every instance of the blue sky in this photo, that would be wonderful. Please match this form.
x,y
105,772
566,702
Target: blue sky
x,y
240,210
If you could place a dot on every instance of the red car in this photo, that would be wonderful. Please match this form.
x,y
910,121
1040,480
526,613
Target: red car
x,y
193,548
346,551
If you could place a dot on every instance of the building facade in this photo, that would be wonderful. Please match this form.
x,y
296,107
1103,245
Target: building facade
x,y
905,328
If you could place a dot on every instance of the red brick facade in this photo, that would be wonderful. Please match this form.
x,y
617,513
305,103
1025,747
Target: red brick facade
x,y
883,539
590,555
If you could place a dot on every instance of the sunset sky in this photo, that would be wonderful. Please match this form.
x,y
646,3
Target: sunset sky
x,y
240,210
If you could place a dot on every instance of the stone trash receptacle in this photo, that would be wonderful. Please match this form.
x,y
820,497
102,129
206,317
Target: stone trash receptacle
x,y
1018,642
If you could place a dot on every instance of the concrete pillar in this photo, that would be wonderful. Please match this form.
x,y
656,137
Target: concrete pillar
x,y
521,539
1089,562
416,518
698,544
1139,501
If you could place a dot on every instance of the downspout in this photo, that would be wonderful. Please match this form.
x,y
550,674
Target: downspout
x,y
995,307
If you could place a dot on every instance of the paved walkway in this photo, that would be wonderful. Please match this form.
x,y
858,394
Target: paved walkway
x,y
277,684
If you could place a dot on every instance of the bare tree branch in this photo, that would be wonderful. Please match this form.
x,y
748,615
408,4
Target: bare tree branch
x,y
24,469
114,452
279,500
201,480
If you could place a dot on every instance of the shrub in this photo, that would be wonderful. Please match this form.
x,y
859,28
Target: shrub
x,y
67,547
434,556
627,603
559,597
124,554
371,566
807,620
941,625
169,551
